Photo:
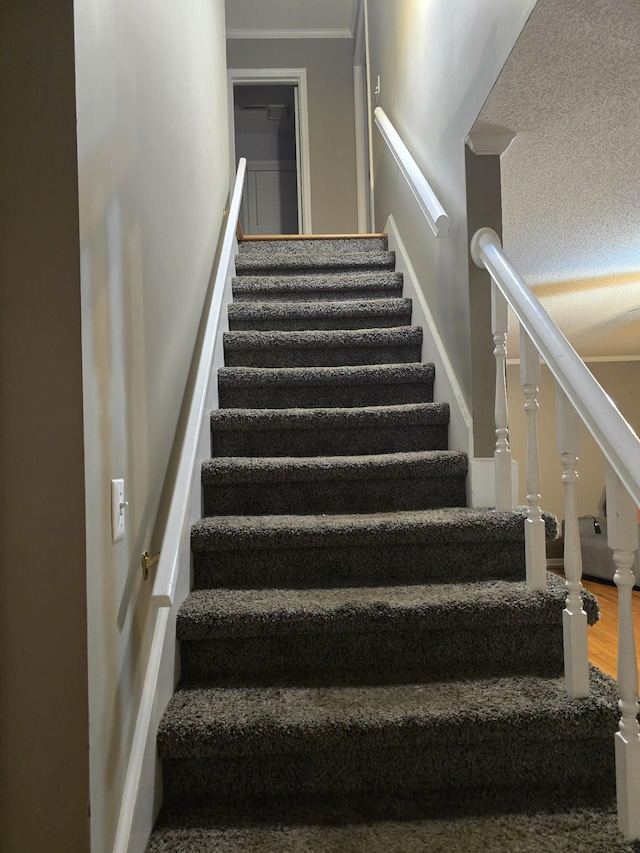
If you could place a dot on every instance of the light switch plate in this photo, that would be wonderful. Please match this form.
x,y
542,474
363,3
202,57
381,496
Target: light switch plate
x,y
118,505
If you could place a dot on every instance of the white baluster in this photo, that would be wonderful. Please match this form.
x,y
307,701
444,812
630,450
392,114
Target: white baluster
x,y
502,454
623,539
574,618
535,537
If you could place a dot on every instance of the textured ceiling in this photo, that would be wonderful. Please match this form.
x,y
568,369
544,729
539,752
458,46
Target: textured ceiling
x,y
571,178
322,16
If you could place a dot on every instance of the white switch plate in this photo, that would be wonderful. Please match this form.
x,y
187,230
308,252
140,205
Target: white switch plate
x,y
118,505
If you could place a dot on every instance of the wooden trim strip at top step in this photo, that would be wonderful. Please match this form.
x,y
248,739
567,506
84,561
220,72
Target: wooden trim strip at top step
x,y
258,237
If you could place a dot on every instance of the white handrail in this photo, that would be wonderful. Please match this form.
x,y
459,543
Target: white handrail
x,y
616,438
168,566
424,195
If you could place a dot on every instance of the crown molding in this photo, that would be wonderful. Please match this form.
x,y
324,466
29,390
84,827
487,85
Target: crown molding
x,y
289,34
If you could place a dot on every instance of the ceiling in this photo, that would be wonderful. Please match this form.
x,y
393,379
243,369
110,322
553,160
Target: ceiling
x,y
291,18
571,178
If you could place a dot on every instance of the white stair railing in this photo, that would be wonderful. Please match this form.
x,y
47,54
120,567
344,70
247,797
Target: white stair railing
x,y
428,202
580,398
174,557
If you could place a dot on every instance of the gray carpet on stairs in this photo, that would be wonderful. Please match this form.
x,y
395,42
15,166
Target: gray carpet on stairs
x,y
363,668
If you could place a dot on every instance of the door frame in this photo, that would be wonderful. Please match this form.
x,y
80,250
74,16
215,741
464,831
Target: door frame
x,y
287,76
362,111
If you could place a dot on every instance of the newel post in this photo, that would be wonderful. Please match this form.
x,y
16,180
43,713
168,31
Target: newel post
x,y
574,618
622,524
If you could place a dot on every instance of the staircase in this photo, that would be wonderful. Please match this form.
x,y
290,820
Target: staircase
x,y
362,666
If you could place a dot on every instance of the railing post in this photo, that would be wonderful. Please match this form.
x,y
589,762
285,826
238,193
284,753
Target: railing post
x,y
535,537
502,454
622,527
574,618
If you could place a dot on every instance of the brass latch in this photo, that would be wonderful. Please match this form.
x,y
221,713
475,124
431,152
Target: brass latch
x,y
148,562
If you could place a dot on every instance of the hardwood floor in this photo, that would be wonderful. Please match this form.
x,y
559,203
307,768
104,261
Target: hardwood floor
x,y
603,636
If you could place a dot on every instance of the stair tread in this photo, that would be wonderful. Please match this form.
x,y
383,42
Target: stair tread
x,y
220,613
327,417
417,463
267,260
456,524
397,336
370,374
203,721
466,823
339,308
318,283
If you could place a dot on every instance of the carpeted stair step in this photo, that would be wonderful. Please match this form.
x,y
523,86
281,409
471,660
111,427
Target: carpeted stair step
x,y
329,431
311,387
372,634
534,821
371,549
231,743
301,316
323,348
318,288
267,262
316,245
333,484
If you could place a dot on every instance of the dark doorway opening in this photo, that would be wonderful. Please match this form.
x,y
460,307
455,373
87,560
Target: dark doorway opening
x,y
266,134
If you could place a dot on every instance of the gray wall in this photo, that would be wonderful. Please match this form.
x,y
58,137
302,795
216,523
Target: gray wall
x,y
153,182
44,759
437,63
329,64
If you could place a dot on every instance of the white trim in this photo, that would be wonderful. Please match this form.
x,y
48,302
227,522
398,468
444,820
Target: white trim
x,y
289,34
133,826
365,219
485,138
369,107
294,77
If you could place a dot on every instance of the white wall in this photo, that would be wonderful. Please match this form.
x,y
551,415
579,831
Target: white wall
x,y
153,182
437,62
329,64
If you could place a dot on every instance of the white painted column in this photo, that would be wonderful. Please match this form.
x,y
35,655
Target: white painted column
x,y
502,454
622,527
574,618
535,537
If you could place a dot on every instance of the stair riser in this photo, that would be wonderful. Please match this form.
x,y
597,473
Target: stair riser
x,y
317,245
374,655
309,396
370,565
313,295
299,324
321,356
301,265
410,766
326,442
313,497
